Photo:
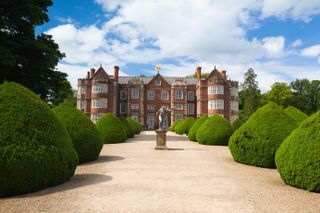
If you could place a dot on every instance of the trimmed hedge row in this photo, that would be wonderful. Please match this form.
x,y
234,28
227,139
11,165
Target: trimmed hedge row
x,y
135,125
173,127
111,129
255,142
127,127
295,114
237,124
35,149
192,135
214,131
84,134
184,126
298,157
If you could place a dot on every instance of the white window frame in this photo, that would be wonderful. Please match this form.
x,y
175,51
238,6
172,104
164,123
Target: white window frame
x,y
99,88
81,90
234,91
190,95
158,82
234,105
216,104
151,95
217,89
135,117
165,95
179,94
191,108
123,108
135,94
81,104
134,106
99,103
123,95
178,117
179,106
150,121
95,117
151,107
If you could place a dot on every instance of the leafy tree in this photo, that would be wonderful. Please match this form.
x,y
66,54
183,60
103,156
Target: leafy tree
x,y
281,94
251,93
26,58
306,95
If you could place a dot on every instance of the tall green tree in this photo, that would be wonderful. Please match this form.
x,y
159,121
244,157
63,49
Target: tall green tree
x,y
251,94
24,57
306,95
281,94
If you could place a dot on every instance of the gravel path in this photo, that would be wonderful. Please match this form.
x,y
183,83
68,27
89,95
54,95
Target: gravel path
x,y
133,177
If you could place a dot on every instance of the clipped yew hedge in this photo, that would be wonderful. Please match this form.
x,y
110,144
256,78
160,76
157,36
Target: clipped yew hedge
x,y
214,131
84,134
111,129
135,125
195,127
184,126
298,157
35,149
296,114
173,127
127,127
237,124
255,142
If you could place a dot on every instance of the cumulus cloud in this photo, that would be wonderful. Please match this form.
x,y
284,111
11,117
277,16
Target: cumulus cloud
x,y
274,45
312,51
207,31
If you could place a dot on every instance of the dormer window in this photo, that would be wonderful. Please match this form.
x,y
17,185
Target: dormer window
x,y
158,82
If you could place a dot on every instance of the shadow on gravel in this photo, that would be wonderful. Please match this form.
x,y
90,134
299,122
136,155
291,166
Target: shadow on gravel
x,y
77,181
103,159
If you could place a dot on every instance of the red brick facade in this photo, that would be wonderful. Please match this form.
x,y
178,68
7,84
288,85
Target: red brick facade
x,y
141,97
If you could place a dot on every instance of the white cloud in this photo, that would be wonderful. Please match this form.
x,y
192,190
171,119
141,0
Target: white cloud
x,y
295,9
312,51
274,45
207,31
296,43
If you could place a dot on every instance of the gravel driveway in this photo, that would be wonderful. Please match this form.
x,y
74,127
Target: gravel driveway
x,y
133,177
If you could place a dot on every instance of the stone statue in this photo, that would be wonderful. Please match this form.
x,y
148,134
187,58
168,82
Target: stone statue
x,y
161,114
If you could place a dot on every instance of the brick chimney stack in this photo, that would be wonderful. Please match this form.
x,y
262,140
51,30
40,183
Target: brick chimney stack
x,y
88,75
198,73
224,74
92,71
116,73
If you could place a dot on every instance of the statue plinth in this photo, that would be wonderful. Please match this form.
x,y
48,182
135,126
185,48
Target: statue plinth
x,y
161,139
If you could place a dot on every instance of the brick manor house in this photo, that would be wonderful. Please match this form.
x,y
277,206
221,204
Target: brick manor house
x,y
141,97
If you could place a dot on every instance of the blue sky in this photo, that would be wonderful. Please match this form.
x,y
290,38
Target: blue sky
x,y
279,39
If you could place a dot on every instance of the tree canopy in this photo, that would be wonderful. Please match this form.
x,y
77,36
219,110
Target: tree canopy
x,y
27,58
281,94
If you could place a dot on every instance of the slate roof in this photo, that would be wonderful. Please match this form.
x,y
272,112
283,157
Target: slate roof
x,y
146,80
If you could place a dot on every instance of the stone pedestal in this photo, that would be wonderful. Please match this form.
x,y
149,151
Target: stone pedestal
x,y
161,139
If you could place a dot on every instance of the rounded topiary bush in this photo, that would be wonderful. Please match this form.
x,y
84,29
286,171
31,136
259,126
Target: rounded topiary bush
x,y
184,126
298,157
255,142
295,114
173,127
127,127
84,134
111,129
192,135
214,131
35,148
237,124
135,125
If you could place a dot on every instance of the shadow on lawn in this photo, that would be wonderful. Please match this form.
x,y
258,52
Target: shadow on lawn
x,y
77,181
